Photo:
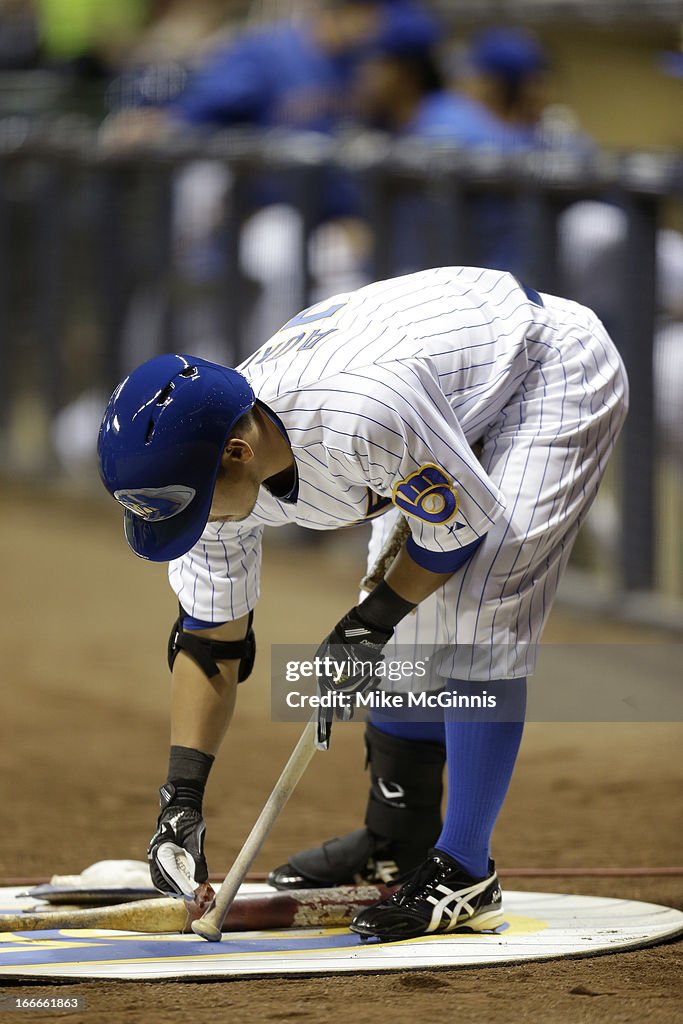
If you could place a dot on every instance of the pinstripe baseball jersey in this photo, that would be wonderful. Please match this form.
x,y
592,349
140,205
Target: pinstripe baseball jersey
x,y
380,393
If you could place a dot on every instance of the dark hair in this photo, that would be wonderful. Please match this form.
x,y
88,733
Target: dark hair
x,y
511,88
423,68
244,424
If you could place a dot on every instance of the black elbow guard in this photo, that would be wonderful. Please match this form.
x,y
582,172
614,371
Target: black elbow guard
x,y
207,653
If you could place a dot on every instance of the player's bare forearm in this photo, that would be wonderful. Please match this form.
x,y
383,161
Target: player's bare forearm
x,y
411,581
202,708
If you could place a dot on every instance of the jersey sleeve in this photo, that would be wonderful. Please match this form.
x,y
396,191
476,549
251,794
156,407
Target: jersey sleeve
x,y
414,451
218,579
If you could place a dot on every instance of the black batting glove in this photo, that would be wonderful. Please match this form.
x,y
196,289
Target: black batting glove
x,y
350,656
176,850
356,644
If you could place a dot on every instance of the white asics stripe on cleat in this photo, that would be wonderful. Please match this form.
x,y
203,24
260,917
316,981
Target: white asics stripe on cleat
x,y
460,898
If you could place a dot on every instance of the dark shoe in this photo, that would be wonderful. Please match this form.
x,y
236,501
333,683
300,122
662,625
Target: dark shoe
x,y
439,897
356,859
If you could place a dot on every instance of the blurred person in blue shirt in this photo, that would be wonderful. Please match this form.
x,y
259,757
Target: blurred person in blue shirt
x,y
292,73
498,106
402,88
503,73
506,75
295,73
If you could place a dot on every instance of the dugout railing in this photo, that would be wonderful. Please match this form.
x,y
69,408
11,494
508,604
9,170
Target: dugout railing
x,y
86,232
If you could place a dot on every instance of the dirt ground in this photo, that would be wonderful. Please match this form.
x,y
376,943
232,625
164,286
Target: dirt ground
x,y
84,746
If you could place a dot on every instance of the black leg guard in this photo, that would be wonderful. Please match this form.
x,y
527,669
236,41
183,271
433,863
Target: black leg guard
x,y
406,786
402,822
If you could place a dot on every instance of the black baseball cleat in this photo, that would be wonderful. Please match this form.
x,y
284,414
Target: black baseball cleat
x,y
438,897
359,858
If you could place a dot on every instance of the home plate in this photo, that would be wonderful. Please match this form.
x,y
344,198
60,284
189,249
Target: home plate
x,y
539,926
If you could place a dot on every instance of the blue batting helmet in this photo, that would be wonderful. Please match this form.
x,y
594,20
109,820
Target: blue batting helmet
x,y
160,447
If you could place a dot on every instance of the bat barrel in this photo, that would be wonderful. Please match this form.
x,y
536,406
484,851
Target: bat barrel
x,y
293,908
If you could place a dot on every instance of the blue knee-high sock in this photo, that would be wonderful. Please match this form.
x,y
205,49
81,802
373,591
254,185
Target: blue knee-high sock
x,y
394,725
480,757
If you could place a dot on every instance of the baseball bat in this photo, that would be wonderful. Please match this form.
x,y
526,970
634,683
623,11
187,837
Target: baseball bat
x,y
210,924
385,559
293,908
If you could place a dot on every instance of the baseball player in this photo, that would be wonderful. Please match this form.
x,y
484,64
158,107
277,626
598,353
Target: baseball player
x,y
368,405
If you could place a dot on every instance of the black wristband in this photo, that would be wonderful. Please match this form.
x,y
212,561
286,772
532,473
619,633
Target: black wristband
x,y
188,763
383,608
188,771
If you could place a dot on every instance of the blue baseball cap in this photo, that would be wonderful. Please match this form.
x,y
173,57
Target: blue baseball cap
x,y
510,53
160,446
407,30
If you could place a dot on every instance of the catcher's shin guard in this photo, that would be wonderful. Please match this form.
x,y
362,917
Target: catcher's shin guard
x,y
402,821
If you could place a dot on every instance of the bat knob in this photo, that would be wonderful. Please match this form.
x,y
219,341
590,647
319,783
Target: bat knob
x,y
206,930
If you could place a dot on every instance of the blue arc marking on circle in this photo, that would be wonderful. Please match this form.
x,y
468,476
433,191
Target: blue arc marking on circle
x,y
40,946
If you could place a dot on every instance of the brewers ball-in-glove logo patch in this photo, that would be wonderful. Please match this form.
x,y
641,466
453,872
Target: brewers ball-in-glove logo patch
x,y
152,503
428,494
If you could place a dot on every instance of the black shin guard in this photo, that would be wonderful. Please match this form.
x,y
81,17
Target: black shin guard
x,y
403,820
406,786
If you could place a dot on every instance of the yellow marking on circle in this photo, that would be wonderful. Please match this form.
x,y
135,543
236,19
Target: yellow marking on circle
x,y
521,925
517,924
112,935
22,943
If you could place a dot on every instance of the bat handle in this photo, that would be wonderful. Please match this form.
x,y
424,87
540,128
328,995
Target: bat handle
x,y
209,925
